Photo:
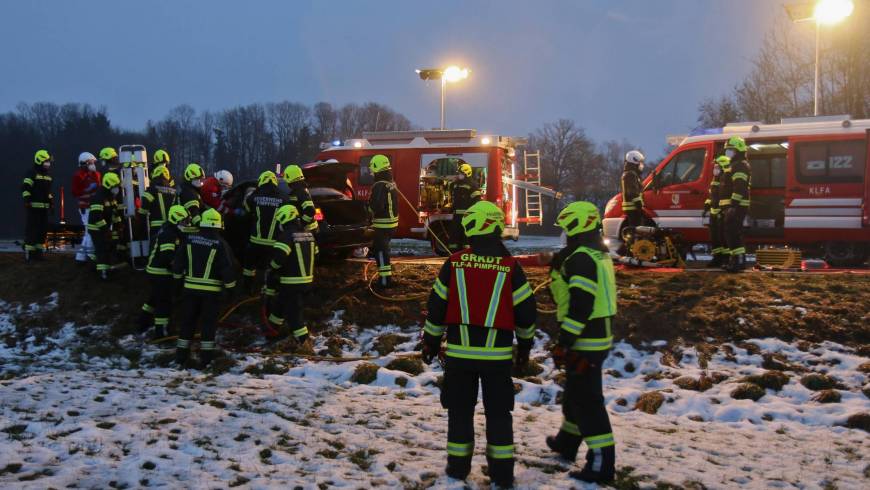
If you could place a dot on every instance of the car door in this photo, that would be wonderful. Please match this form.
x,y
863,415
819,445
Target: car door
x,y
676,193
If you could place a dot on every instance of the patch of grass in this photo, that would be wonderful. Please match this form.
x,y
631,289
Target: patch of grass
x,y
365,373
362,458
328,453
702,383
267,367
402,381
15,430
149,465
386,344
530,369
410,365
217,404
626,479
239,481
105,425
773,380
818,382
11,468
649,402
747,391
827,396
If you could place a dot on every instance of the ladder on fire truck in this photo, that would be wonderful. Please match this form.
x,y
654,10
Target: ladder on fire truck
x,y
532,175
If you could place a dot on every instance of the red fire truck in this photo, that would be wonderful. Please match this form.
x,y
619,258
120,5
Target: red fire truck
x,y
424,163
810,186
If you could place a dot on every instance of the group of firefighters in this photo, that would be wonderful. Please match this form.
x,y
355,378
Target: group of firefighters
x,y
727,203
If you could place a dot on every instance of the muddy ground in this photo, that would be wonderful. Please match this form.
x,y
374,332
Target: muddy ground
x,y
699,308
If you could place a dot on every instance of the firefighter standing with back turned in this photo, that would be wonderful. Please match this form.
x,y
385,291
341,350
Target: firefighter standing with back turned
x,y
166,240
104,216
38,201
205,263
190,194
711,206
262,205
463,193
734,200
292,272
299,196
384,208
158,198
480,299
632,188
584,289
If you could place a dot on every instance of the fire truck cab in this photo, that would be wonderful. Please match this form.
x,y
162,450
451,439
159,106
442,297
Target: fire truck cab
x,y
810,187
424,163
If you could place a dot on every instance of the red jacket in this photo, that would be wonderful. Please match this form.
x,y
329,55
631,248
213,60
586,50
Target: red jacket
x,y
84,185
480,291
211,191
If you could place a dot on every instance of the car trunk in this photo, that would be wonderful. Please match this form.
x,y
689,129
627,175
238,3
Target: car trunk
x,y
332,193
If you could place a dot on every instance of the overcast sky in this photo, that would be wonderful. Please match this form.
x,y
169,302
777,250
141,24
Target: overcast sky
x,y
633,69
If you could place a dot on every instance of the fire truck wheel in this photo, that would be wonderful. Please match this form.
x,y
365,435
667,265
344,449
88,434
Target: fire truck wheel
x,y
845,254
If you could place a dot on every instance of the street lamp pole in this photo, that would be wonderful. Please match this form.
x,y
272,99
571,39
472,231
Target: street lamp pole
x,y
443,97
444,75
816,84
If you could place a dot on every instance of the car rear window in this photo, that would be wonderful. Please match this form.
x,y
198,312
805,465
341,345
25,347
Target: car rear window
x,y
327,192
831,161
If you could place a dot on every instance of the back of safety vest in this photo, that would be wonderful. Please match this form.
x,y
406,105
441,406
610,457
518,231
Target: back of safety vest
x,y
480,290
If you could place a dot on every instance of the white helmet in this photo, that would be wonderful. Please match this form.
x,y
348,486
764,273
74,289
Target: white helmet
x,y
224,177
86,158
634,157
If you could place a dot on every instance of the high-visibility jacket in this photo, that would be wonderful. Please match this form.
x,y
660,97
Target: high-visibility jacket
x,y
632,190
163,251
726,186
584,288
301,198
480,299
741,174
713,192
205,262
104,211
157,200
464,193
262,204
383,201
36,189
192,202
293,256
85,184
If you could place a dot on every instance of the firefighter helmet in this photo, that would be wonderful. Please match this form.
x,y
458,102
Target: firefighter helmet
x,y
41,157
293,174
161,157
192,172
267,177
723,161
111,180
108,153
286,213
465,169
483,218
161,171
211,218
224,177
578,217
86,158
177,214
379,163
736,143
634,157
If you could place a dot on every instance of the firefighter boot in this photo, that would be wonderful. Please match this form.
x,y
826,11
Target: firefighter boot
x,y
737,263
206,356
146,320
600,466
181,356
458,467
559,445
158,333
718,261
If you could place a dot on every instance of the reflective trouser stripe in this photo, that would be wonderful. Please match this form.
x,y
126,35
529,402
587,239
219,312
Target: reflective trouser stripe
x,y
480,353
182,343
500,452
277,320
161,321
249,272
738,250
300,332
147,308
459,449
570,428
207,345
593,344
385,270
525,333
602,440
432,329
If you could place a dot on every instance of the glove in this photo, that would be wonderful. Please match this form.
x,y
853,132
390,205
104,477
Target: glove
x,y
429,353
522,357
559,355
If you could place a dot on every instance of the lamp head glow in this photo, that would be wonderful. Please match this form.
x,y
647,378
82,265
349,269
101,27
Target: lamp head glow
x,y
832,11
485,140
357,144
336,143
454,73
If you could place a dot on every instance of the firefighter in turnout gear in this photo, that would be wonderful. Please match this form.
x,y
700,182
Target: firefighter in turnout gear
x,y
384,209
711,207
262,205
464,192
104,215
109,158
38,202
734,201
300,197
480,299
158,198
190,196
292,272
206,265
584,289
632,188
157,310
161,157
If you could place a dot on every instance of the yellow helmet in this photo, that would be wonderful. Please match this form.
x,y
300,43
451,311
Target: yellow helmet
x,y
578,217
110,180
41,157
379,163
192,172
293,174
177,214
736,143
286,213
211,218
108,153
723,161
267,177
161,157
161,171
466,169
483,218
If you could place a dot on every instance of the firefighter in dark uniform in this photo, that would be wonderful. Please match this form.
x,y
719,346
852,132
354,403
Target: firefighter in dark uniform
x,y
384,209
300,197
480,299
584,289
632,188
711,206
261,205
205,263
190,197
463,193
38,202
734,201
161,157
165,243
158,198
104,216
112,164
110,161
292,272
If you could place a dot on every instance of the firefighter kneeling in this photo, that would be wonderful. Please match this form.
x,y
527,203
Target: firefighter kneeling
x,y
292,273
481,298
584,288
205,262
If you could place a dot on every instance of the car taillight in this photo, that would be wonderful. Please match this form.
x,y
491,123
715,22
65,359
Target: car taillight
x,y
318,214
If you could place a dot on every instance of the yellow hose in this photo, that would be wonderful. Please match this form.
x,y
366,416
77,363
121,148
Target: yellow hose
x,y
535,291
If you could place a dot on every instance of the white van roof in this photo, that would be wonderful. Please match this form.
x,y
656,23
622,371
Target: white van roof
x,y
807,126
426,139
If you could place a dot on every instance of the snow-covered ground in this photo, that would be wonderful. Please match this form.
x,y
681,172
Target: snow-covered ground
x,y
67,418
